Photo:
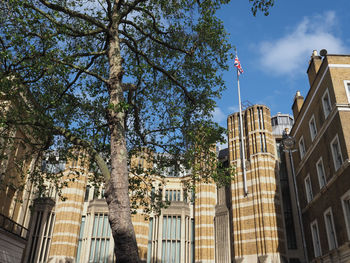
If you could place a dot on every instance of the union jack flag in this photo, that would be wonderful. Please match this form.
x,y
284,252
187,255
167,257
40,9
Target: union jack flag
x,y
237,64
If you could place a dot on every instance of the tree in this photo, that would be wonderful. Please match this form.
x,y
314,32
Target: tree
x,y
114,77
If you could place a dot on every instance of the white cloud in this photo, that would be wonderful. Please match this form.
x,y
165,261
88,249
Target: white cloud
x,y
218,115
289,54
233,109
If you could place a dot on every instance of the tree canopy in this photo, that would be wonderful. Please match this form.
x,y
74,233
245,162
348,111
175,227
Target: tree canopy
x,y
116,77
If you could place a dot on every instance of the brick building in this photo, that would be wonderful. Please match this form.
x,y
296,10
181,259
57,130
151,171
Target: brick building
x,y
322,136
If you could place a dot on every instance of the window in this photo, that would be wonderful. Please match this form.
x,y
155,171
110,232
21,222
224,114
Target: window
x,y
274,121
171,239
336,153
331,236
316,239
150,238
35,236
321,174
46,238
261,118
302,150
263,146
75,162
313,129
100,239
308,189
172,195
347,89
80,241
346,208
96,192
87,192
192,241
326,103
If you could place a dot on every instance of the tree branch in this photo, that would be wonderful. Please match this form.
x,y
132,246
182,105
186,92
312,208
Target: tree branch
x,y
130,7
96,54
79,142
153,19
128,86
75,14
83,70
158,68
154,39
36,79
109,9
74,32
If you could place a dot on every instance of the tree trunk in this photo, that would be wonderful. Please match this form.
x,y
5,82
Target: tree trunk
x,y
117,188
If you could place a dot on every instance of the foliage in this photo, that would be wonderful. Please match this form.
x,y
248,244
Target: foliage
x,y
98,72
172,52
262,5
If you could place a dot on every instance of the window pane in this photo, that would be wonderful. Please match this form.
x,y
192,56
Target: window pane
x,y
347,210
173,228
316,240
102,254
105,225
150,234
178,228
163,251
169,227
95,225
168,252
107,250
164,227
82,226
97,250
87,192
173,250
92,248
78,250
178,251
100,225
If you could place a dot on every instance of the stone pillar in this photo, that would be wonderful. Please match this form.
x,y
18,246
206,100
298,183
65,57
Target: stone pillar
x,y
257,220
68,218
204,214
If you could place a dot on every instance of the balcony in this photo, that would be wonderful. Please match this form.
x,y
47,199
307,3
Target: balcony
x,y
11,226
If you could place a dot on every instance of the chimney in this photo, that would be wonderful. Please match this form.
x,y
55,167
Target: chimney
x,y
298,103
314,66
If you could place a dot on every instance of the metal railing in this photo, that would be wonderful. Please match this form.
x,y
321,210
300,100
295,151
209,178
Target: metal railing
x,y
11,226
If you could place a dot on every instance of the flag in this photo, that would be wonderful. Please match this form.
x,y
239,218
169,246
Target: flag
x,y
237,64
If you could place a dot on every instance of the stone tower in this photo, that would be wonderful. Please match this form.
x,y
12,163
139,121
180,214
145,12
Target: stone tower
x,y
257,222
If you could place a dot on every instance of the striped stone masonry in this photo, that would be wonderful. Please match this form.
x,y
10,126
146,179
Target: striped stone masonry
x,y
257,220
68,217
204,211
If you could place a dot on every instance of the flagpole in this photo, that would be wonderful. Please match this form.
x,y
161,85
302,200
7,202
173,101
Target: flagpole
x,y
242,137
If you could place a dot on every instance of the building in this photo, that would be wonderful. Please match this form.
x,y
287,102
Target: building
x,y
262,227
322,136
219,224
77,229
17,162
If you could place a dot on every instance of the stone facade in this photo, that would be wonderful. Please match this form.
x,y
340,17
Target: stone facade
x,y
257,222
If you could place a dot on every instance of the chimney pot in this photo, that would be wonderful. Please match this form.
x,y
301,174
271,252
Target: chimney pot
x,y
298,103
314,66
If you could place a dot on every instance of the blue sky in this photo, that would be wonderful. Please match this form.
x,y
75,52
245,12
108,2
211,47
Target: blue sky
x,y
274,50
